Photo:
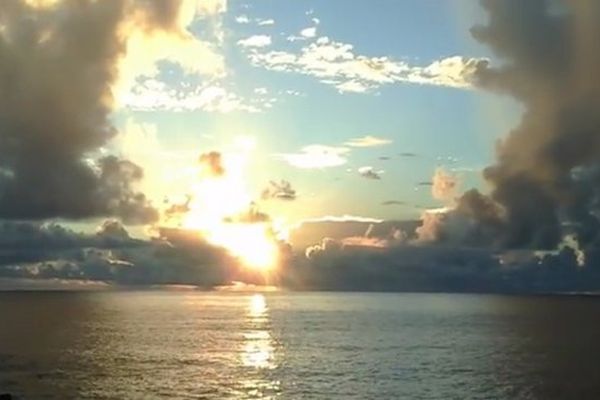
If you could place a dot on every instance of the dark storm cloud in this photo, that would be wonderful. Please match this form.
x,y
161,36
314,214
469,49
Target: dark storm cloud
x,y
281,190
58,65
335,265
50,251
545,179
22,242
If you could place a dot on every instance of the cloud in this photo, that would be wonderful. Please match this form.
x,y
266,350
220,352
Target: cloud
x,y
242,19
395,262
545,182
174,42
369,173
316,156
473,220
212,164
312,230
321,156
265,22
352,86
50,251
381,258
51,134
279,190
310,32
206,7
444,185
393,203
255,41
335,63
154,95
335,266
341,218
367,141
368,240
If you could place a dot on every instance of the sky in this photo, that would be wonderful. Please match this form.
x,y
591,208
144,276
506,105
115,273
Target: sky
x,y
414,146
296,111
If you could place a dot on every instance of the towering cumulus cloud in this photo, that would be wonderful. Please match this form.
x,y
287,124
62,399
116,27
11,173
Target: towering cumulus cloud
x,y
546,179
60,63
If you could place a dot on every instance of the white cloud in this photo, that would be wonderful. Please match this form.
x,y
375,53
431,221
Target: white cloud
x,y
179,46
316,156
337,64
264,22
340,218
255,41
261,90
151,95
444,185
321,156
353,86
310,32
242,19
367,141
208,7
294,38
291,92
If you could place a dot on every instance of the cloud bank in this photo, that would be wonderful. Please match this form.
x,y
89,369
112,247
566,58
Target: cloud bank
x,y
545,181
335,63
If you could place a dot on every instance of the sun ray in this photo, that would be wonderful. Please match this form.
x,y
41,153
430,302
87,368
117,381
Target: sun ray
x,y
222,210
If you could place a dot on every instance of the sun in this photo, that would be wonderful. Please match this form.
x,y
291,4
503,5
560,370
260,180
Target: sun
x,y
222,210
251,243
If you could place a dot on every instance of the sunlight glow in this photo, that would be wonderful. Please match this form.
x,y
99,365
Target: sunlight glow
x,y
222,210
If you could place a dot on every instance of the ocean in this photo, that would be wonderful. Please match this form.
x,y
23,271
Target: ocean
x,y
211,345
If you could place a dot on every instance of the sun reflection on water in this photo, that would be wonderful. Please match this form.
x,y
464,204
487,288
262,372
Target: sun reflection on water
x,y
258,305
258,350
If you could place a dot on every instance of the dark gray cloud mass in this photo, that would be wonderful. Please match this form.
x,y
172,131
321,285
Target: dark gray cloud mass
x,y
435,268
545,180
50,251
57,67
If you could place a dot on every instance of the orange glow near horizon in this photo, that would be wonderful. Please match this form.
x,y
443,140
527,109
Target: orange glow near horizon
x,y
222,210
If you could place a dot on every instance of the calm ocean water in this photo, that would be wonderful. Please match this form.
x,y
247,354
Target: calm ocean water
x,y
190,345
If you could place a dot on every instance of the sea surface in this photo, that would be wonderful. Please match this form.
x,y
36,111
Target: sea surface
x,y
198,345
